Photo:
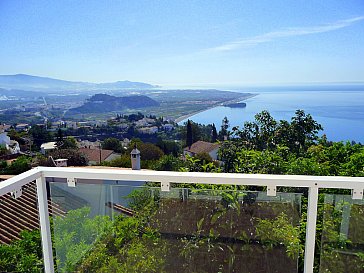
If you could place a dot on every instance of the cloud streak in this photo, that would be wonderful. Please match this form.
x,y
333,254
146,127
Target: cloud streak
x,y
288,32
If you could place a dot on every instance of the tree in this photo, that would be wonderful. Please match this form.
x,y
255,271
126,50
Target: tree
x,y
3,150
304,130
224,133
267,126
213,133
265,133
169,147
40,135
149,151
168,163
75,158
24,255
189,137
69,143
18,166
122,161
59,137
112,144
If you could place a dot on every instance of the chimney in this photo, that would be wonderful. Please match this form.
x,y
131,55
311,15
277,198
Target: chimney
x,y
135,158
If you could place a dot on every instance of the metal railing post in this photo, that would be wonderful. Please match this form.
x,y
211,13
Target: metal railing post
x,y
311,229
44,224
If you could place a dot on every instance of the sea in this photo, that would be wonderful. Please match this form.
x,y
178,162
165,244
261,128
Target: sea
x,y
340,112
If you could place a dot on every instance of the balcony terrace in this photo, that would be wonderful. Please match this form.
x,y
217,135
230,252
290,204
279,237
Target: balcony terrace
x,y
149,221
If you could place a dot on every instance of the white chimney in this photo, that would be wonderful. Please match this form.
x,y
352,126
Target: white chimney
x,y
135,158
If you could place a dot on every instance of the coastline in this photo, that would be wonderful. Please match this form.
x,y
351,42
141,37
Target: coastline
x,y
181,118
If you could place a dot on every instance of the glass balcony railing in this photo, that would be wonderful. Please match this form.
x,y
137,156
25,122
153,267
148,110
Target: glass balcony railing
x,y
184,229
342,243
102,220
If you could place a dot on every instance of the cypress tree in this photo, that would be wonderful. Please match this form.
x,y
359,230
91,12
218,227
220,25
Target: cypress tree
x,y
189,139
213,133
224,133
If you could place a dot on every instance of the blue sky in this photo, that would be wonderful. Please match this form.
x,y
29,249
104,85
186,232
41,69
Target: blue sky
x,y
185,43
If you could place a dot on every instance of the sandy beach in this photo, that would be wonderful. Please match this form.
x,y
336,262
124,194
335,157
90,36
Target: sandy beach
x,y
181,118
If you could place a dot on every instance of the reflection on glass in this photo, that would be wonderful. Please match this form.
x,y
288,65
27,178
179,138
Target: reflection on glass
x,y
342,243
142,229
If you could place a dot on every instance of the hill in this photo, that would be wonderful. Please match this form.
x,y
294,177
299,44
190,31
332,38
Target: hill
x,y
35,83
103,103
16,94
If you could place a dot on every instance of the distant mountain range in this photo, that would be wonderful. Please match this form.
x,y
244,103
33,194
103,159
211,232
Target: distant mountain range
x,y
103,103
43,84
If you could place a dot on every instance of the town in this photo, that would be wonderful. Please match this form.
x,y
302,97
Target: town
x,y
103,143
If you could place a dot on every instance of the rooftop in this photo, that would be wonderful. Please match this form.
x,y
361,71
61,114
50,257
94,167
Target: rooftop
x,y
96,154
202,147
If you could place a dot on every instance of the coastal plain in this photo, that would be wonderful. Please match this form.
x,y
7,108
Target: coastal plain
x,y
173,104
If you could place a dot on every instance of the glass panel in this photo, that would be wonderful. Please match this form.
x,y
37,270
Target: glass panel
x,y
342,243
183,230
85,218
20,245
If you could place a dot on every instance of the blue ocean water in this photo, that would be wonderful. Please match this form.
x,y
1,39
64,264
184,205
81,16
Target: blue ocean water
x,y
341,113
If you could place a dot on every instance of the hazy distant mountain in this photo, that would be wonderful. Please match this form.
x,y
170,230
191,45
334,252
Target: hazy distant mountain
x,y
103,103
35,83
20,93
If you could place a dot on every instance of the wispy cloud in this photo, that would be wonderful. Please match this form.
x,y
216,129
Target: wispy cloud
x,y
287,32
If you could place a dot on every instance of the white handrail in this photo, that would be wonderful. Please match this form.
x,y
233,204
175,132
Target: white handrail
x,y
341,182
14,183
338,182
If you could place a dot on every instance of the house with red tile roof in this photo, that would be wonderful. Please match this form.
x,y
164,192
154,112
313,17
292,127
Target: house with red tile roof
x,y
200,147
96,155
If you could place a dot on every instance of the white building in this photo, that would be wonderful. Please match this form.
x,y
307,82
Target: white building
x,y
22,127
11,145
123,126
148,130
47,147
144,122
4,139
4,128
89,144
71,124
168,127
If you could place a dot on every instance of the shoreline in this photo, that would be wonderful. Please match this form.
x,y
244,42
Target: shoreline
x,y
181,118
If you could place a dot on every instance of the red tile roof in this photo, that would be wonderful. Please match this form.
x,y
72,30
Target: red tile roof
x,y
94,154
202,147
21,213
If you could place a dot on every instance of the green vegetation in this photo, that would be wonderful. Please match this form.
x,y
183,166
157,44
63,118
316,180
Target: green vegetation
x,y
39,135
189,135
18,166
342,251
268,146
165,234
3,150
112,144
75,158
192,132
205,228
74,236
24,255
150,155
103,103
